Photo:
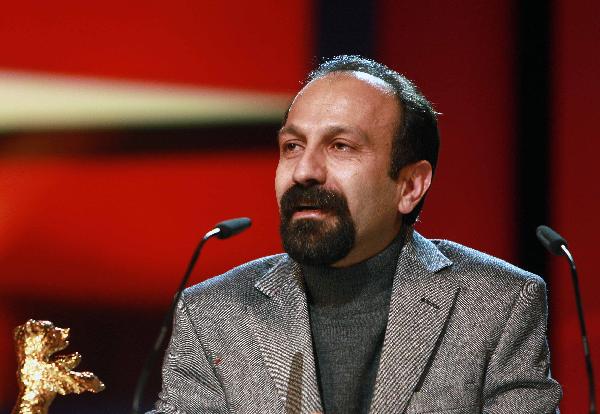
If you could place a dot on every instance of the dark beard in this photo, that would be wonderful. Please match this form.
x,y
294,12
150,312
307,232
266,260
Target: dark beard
x,y
311,241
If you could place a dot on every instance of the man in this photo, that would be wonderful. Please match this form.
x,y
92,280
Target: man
x,y
362,314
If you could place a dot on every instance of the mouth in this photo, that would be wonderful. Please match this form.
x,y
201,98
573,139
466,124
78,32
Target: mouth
x,y
308,211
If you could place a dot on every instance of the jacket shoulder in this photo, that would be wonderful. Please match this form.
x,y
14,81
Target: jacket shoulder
x,y
234,285
475,268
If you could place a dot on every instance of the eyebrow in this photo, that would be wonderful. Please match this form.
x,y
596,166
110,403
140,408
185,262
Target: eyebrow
x,y
289,129
330,130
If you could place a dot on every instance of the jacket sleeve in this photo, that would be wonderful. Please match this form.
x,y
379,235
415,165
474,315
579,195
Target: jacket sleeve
x,y
190,385
518,374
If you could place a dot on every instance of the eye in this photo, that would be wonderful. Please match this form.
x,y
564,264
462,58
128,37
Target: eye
x,y
341,146
290,147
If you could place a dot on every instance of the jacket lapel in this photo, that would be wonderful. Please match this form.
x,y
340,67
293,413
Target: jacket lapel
x,y
420,305
282,328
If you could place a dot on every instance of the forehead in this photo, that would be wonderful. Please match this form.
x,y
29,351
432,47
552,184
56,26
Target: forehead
x,y
350,97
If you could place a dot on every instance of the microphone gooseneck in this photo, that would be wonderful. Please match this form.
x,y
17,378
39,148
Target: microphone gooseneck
x,y
557,245
222,230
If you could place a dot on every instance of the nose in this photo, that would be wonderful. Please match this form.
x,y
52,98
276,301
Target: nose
x,y
310,169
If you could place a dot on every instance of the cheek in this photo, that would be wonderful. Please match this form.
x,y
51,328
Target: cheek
x,y
370,198
282,181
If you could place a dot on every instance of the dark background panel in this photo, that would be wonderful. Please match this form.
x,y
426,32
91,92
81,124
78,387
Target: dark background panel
x,y
533,107
345,28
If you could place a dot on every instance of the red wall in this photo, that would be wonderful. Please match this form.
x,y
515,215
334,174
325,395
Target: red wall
x,y
99,232
575,191
240,44
120,230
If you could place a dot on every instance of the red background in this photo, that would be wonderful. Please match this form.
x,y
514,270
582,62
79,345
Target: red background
x,y
114,232
575,192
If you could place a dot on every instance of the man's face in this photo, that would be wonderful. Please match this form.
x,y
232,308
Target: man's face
x,y
337,202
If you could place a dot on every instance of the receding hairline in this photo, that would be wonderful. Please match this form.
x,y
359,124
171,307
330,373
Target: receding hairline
x,y
368,78
372,80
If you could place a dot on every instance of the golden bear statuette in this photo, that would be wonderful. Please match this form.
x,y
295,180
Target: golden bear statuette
x,y
40,374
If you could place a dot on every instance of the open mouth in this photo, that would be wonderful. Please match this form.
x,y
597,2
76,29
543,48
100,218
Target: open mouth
x,y
306,211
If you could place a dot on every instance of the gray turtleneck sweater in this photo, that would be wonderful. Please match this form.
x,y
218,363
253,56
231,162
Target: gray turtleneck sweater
x,y
348,315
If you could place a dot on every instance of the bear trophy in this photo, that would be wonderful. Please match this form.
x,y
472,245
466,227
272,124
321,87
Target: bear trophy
x,y
40,374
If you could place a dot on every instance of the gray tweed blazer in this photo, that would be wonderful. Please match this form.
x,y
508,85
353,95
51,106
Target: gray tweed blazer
x,y
466,333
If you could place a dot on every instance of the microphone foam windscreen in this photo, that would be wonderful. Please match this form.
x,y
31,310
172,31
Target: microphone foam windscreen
x,y
551,240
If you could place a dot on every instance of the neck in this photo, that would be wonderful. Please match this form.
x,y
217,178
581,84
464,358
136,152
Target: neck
x,y
361,254
359,283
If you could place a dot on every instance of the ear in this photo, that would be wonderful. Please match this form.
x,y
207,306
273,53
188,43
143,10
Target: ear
x,y
413,182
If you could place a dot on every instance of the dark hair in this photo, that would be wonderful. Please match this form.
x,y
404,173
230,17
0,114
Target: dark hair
x,y
417,137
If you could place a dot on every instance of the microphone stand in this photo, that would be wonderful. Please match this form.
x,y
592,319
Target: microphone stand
x,y
557,245
222,230
584,337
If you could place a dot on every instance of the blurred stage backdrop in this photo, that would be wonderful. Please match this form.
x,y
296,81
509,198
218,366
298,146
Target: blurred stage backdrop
x,y
127,129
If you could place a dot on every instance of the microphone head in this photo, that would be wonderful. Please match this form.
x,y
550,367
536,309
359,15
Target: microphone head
x,y
551,240
232,227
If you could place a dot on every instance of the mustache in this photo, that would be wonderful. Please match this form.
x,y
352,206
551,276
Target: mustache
x,y
315,197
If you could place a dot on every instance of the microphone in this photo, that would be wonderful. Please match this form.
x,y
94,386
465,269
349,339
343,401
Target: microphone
x,y
232,227
551,240
557,245
222,230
